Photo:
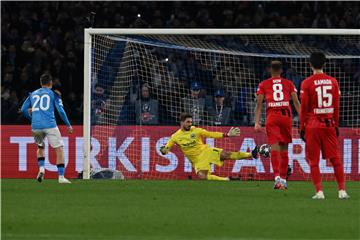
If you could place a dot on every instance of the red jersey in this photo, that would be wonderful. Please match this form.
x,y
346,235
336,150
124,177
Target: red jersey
x,y
277,92
320,100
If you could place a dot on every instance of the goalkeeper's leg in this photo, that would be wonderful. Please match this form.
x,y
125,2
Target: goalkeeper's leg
x,y
206,175
226,155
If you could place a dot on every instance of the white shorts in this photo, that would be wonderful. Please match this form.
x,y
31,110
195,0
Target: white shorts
x,y
52,134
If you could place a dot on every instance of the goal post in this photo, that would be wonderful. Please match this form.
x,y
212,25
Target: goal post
x,y
118,62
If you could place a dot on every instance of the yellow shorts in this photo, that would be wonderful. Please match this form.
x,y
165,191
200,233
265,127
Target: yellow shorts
x,y
207,157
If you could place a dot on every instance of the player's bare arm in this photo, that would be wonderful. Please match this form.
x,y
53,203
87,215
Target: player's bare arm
x,y
70,129
303,110
296,102
258,108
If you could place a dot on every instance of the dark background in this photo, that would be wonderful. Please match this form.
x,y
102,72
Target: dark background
x,y
38,37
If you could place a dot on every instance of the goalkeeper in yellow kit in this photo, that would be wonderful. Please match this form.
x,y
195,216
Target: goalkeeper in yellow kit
x,y
189,139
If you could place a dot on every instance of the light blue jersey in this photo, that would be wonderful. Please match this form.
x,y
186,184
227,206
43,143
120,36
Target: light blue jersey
x,y
42,103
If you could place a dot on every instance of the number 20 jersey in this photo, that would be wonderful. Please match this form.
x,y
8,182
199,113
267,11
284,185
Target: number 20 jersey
x,y
43,101
277,92
320,100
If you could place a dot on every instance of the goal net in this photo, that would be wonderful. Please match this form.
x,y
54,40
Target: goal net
x,y
136,86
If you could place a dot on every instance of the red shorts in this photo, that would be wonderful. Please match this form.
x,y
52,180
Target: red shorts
x,y
323,139
278,129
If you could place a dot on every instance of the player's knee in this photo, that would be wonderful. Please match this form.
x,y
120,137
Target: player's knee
x,y
283,147
202,175
335,161
59,149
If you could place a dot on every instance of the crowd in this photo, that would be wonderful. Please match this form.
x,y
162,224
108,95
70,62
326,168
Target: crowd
x,y
39,37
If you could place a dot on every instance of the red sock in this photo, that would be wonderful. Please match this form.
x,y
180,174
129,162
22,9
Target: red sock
x,y
284,162
315,175
275,162
339,172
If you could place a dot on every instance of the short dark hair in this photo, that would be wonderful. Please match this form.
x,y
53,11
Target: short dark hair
x,y
317,60
184,116
276,66
45,79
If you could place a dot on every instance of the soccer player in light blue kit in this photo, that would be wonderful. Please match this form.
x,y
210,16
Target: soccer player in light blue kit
x,y
39,109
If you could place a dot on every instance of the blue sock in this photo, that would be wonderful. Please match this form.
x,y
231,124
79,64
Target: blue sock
x,y
41,161
61,169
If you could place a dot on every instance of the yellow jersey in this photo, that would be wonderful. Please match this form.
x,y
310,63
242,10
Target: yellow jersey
x,y
191,142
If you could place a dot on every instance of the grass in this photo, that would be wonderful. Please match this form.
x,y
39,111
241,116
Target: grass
x,y
175,210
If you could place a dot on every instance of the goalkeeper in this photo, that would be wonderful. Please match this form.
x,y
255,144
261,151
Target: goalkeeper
x,y
189,139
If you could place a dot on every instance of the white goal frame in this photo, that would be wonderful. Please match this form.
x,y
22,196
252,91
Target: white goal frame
x,y
88,32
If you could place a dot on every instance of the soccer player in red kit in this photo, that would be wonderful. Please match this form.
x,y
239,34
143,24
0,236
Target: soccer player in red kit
x,y
277,92
319,122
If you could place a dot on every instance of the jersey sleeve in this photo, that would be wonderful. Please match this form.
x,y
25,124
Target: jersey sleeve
x,y
208,134
170,143
25,108
336,104
292,87
260,89
60,108
304,97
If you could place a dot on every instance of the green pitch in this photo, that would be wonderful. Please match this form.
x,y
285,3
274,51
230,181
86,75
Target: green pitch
x,y
175,210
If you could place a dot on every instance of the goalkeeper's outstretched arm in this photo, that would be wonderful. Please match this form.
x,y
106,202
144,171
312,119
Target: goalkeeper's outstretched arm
x,y
165,149
233,132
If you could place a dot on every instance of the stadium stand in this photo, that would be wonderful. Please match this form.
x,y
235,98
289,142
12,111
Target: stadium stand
x,y
48,37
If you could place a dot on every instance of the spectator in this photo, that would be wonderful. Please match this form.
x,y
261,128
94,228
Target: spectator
x,y
146,108
48,36
296,78
98,103
220,114
240,111
194,104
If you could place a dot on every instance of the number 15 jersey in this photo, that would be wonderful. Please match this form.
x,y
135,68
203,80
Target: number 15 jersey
x,y
277,92
42,102
320,100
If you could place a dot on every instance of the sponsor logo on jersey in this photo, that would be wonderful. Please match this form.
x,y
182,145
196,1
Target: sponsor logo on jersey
x,y
278,104
189,144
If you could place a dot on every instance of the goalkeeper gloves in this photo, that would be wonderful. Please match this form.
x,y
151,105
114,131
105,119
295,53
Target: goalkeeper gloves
x,y
233,132
164,150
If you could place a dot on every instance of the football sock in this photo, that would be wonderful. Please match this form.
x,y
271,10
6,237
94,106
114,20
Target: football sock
x,y
61,169
315,175
216,178
275,162
41,163
284,161
339,172
239,155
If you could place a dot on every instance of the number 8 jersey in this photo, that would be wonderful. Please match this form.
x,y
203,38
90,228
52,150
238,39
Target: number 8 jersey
x,y
277,92
42,103
320,100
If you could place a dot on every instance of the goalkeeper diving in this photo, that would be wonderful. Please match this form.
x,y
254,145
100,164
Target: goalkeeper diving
x,y
201,156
